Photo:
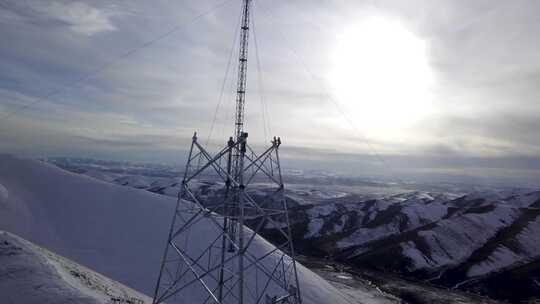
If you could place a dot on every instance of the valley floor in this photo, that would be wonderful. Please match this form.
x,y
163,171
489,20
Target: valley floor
x,y
387,288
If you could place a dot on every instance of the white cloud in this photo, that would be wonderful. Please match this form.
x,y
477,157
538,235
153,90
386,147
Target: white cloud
x,y
485,97
79,17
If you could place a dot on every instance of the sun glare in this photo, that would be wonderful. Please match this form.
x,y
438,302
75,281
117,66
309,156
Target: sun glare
x,y
381,76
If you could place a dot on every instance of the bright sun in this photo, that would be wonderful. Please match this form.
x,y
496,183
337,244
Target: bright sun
x,y
381,76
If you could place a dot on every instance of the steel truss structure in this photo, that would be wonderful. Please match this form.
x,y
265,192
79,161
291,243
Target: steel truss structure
x,y
223,267
230,266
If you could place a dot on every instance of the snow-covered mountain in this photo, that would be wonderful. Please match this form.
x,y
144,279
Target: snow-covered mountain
x,y
117,231
466,242
33,275
461,236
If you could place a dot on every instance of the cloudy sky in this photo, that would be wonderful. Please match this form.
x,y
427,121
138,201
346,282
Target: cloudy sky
x,y
397,88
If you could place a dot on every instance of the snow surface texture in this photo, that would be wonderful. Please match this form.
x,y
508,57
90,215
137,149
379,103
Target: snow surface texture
x,y
503,257
31,274
117,231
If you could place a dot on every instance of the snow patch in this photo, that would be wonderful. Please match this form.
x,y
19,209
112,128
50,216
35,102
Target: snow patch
x,y
418,259
4,194
314,227
500,258
322,210
529,238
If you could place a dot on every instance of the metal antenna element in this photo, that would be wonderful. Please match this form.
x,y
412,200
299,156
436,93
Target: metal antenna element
x,y
242,70
211,255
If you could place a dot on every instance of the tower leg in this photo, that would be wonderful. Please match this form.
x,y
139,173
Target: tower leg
x,y
297,296
230,145
173,221
241,209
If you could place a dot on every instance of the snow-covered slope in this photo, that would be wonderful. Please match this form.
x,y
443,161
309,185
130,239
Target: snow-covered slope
x,y
117,231
31,274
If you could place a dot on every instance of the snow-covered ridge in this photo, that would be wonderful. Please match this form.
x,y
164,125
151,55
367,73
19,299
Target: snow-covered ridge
x,y
31,274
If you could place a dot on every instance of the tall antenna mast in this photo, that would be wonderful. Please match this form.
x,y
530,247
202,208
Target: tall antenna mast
x,y
234,264
242,70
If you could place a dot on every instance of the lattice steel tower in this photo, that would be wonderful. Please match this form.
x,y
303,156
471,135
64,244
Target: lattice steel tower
x,y
234,265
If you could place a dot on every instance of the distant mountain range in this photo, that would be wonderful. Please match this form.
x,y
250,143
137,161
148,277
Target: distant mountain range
x,y
466,237
481,242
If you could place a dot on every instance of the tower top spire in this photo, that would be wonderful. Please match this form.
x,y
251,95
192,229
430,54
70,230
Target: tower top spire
x,y
242,70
